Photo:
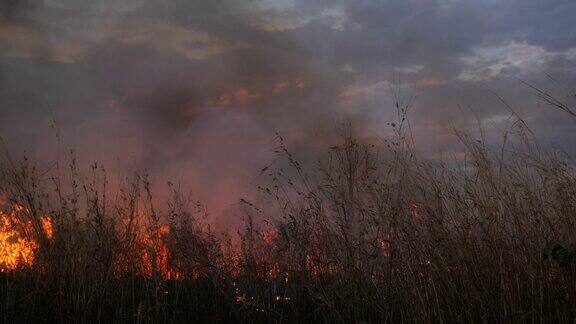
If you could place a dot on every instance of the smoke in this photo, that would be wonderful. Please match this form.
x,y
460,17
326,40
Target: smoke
x,y
15,10
194,91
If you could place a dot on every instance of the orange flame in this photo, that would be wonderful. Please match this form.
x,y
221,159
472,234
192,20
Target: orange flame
x,y
156,256
152,258
18,243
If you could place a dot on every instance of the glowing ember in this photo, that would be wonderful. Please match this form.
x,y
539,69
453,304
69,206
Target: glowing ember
x,y
417,211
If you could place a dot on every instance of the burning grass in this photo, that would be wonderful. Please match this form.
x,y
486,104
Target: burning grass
x,y
18,240
374,235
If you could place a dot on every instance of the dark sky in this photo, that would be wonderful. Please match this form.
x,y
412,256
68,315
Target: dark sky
x,y
194,90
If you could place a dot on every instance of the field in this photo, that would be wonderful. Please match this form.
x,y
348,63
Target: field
x,y
373,233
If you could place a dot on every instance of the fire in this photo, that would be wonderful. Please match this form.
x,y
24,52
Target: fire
x,y
152,256
148,255
156,256
47,226
15,250
18,242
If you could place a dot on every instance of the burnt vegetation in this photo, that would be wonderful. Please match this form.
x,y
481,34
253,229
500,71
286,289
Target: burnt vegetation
x,y
371,234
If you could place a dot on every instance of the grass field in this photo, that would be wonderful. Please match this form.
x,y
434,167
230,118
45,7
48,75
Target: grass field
x,y
373,233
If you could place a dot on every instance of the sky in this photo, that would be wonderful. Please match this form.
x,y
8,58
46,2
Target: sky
x,y
194,91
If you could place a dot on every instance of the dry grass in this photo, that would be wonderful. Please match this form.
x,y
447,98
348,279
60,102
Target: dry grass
x,y
372,234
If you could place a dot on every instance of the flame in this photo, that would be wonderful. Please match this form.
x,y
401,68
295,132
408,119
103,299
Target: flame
x,y
148,255
18,242
152,256
47,226
156,256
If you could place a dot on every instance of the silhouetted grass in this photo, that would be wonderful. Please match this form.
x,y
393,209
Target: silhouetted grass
x,y
372,234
